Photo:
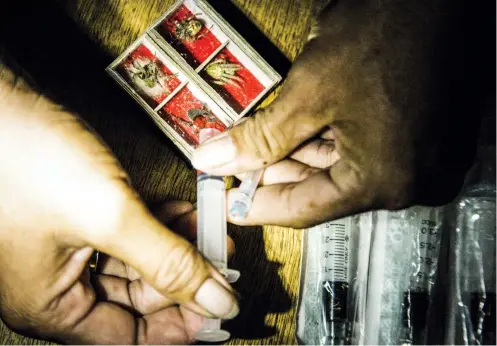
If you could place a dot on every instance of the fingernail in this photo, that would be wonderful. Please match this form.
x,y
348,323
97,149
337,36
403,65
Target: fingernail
x,y
213,297
214,153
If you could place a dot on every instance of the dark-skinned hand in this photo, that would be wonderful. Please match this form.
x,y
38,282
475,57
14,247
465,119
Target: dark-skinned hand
x,y
360,122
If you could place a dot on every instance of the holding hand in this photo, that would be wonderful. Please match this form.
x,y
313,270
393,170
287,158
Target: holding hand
x,y
361,121
63,195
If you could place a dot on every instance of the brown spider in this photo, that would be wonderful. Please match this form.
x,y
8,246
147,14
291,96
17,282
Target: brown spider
x,y
188,29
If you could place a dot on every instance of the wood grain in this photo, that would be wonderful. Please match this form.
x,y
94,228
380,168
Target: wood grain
x,y
268,257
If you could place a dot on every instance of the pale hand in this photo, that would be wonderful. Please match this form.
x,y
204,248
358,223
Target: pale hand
x,y
62,196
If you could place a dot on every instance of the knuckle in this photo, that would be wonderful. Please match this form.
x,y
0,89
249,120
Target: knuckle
x,y
360,187
67,311
306,172
266,137
328,153
301,212
181,271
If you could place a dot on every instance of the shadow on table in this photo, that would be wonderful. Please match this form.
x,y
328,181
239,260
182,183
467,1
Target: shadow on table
x,y
260,287
68,66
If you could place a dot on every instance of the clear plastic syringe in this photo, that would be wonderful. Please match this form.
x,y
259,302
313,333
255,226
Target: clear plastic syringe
x,y
241,201
334,280
212,236
425,224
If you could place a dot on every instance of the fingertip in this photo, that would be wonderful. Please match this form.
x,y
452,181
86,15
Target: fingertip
x,y
217,299
214,154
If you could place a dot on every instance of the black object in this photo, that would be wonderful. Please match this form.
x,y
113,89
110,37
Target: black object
x,y
334,300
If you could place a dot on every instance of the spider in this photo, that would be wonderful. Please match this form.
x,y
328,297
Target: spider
x,y
223,72
188,29
194,113
149,73
203,118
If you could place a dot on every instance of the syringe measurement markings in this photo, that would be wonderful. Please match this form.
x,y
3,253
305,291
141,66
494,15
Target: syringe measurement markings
x,y
335,256
328,269
334,253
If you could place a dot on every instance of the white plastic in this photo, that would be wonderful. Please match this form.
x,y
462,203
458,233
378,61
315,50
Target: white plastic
x,y
241,201
387,264
212,236
330,308
470,318
419,276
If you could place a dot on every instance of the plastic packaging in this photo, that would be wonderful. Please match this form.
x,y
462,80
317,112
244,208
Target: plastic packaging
x,y
471,291
388,278
333,279
383,296
418,276
426,227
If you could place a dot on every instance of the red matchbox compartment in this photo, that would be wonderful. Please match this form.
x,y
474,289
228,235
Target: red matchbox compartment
x,y
232,80
143,77
195,49
187,115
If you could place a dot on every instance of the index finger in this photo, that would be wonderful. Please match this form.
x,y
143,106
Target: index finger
x,y
323,196
107,323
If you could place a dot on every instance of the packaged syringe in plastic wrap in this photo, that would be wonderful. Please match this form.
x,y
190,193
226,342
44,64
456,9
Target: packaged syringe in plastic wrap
x,y
368,279
470,315
333,282
418,276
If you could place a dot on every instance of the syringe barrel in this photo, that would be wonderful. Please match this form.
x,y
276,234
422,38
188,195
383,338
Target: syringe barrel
x,y
212,226
212,235
211,213
333,279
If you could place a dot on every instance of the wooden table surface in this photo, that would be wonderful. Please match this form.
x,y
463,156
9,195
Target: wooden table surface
x,y
66,45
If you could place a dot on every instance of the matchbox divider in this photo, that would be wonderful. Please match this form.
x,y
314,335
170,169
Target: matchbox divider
x,y
213,105
229,40
112,70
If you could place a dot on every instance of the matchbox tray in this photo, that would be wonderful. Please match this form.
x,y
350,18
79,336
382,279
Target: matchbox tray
x,y
191,70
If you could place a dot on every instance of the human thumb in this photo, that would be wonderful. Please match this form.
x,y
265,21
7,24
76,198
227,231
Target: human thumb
x,y
267,137
167,261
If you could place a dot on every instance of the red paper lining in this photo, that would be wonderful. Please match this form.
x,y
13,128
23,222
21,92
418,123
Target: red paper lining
x,y
238,97
175,113
195,52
